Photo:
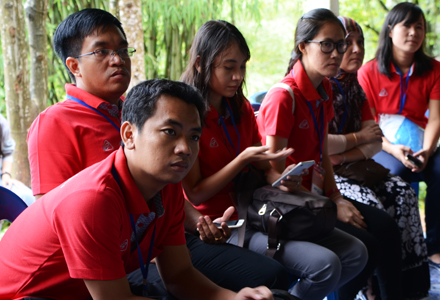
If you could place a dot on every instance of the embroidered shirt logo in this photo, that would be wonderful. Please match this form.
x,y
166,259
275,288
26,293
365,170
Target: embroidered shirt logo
x,y
107,146
383,93
213,143
124,245
304,124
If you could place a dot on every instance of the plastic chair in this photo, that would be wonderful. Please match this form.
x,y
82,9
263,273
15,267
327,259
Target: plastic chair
x,y
10,205
257,97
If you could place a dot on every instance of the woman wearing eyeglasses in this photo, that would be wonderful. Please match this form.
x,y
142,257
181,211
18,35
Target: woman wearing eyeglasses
x,y
295,113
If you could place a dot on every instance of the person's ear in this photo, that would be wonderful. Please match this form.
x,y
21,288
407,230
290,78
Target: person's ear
x,y
391,31
302,47
73,65
197,64
128,132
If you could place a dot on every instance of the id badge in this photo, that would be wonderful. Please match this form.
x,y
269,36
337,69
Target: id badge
x,y
318,180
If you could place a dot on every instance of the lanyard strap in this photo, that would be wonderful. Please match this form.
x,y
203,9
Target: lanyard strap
x,y
150,251
225,129
403,87
320,132
94,109
345,113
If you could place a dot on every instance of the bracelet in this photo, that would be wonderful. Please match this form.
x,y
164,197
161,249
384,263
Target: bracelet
x,y
343,161
355,139
7,173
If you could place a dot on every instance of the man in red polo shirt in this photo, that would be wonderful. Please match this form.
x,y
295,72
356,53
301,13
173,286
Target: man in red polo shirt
x,y
76,241
84,129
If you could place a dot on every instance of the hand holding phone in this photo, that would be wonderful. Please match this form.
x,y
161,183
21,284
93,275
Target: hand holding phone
x,y
414,160
297,170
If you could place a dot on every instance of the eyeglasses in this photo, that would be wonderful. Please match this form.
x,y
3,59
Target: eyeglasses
x,y
328,47
102,54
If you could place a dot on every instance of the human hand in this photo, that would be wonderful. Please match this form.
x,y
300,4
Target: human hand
x,y
423,156
400,152
337,159
260,153
347,213
209,233
369,134
7,181
258,293
292,182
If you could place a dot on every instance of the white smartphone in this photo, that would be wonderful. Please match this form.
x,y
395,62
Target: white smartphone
x,y
297,170
231,224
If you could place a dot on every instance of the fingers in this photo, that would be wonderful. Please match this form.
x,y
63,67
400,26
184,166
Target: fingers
x,y
227,214
209,233
259,293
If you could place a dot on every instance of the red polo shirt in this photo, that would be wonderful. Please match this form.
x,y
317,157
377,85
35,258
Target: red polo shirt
x,y
81,230
276,118
216,152
384,93
68,137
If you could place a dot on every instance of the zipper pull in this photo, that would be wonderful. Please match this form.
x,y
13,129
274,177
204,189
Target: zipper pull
x,y
262,210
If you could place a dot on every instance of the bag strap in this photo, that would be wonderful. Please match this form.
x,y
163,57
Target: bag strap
x,y
273,244
288,88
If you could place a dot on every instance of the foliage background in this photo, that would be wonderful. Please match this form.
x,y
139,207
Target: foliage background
x,y
268,26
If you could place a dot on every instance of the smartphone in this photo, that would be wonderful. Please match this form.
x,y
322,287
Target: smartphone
x,y
415,161
231,224
297,170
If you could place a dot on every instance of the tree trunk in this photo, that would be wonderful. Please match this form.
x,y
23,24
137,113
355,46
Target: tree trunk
x,y
130,12
18,100
151,47
114,9
36,24
176,54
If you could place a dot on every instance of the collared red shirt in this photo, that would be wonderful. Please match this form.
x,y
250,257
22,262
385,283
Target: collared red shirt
x,y
81,230
276,119
384,93
68,137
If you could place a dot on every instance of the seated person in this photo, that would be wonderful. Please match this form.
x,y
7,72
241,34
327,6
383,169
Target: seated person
x,y
355,136
230,141
405,82
86,126
7,147
80,239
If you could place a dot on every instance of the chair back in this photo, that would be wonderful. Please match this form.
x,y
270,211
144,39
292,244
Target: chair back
x,y
10,205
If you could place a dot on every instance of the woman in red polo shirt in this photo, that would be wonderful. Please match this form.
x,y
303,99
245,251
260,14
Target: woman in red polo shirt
x,y
295,113
353,137
230,141
402,81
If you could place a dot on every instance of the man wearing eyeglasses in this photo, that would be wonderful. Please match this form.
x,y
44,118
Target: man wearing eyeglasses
x,y
84,129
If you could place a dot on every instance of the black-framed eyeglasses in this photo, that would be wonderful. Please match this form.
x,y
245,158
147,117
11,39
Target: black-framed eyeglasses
x,y
102,54
328,47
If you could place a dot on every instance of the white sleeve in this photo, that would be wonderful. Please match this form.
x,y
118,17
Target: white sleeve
x,y
336,144
370,149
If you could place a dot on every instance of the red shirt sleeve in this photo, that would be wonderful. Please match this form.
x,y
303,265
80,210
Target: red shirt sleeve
x,y
53,155
364,77
277,113
366,112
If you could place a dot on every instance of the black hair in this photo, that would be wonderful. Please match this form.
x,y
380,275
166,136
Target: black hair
x,y
70,34
410,13
308,27
140,103
212,40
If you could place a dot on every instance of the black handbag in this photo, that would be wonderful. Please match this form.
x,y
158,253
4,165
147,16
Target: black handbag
x,y
367,172
298,215
281,215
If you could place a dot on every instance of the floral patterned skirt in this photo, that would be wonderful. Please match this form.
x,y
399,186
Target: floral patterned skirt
x,y
399,200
